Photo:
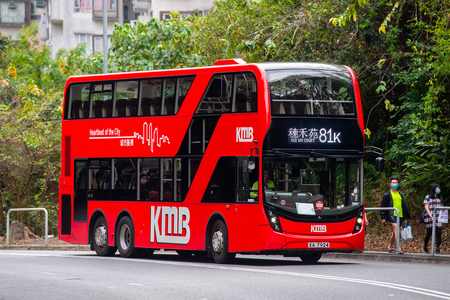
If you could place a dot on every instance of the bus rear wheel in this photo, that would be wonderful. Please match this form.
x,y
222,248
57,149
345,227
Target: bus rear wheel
x,y
125,239
100,238
219,243
311,258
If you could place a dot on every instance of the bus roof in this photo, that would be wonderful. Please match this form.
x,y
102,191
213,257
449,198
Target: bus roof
x,y
300,65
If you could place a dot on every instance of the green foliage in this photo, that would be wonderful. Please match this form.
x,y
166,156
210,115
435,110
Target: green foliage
x,y
36,67
155,45
31,92
398,49
411,79
72,61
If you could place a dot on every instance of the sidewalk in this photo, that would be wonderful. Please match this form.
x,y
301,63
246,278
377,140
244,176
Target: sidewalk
x,y
366,255
48,247
413,257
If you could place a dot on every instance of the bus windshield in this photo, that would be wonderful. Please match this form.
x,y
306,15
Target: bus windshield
x,y
312,186
311,92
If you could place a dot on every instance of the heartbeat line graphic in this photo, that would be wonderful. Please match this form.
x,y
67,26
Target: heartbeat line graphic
x,y
149,136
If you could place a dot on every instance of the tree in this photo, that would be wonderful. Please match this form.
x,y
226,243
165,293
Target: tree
x,y
31,90
413,61
154,45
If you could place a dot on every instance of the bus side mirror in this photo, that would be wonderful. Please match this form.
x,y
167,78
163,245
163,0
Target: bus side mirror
x,y
379,164
251,163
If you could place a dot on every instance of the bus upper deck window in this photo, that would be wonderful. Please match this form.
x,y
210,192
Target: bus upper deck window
x,y
127,93
183,86
168,100
75,106
245,93
151,93
217,98
229,93
311,92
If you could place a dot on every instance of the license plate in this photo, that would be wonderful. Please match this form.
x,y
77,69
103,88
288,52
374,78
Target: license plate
x,y
318,245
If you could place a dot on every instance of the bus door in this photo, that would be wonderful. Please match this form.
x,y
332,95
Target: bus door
x,y
80,191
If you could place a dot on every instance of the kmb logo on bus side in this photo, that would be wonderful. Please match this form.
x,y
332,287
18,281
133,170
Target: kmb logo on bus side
x,y
174,221
244,134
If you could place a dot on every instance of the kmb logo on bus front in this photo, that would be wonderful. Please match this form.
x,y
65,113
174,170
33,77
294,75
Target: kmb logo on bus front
x,y
318,228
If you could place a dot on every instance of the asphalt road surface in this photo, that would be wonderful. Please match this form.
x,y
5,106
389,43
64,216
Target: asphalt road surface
x,y
83,275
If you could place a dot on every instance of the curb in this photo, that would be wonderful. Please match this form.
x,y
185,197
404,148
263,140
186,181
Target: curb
x,y
380,256
49,247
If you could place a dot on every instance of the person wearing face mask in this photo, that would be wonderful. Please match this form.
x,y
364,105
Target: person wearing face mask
x,y
394,198
354,194
144,192
268,184
431,201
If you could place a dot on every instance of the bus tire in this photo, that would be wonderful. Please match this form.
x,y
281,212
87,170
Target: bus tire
x,y
219,243
311,258
100,238
125,239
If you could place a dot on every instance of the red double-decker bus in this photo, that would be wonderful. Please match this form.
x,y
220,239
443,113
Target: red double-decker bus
x,y
234,158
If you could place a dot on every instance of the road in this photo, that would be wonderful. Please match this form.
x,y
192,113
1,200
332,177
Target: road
x,y
83,275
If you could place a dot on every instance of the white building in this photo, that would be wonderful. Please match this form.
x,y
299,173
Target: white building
x,y
73,21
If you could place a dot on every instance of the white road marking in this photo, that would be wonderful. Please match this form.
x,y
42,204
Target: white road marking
x,y
135,284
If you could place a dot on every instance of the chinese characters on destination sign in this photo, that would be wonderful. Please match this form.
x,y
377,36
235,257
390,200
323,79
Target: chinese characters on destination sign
x,y
313,135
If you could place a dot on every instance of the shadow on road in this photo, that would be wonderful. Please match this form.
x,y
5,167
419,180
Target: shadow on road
x,y
241,260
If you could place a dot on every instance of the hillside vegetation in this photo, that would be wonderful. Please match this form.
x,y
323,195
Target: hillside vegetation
x,y
400,52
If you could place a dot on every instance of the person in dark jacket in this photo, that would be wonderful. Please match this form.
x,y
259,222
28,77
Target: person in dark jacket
x,y
394,198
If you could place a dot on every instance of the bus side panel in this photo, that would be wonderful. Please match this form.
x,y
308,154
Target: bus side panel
x,y
181,227
70,231
80,233
65,213
247,228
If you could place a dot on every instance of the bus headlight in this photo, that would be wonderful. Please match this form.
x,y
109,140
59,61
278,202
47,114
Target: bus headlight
x,y
273,220
359,220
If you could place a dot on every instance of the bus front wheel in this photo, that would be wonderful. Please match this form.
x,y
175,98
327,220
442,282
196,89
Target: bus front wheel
x,y
125,238
100,238
219,243
311,258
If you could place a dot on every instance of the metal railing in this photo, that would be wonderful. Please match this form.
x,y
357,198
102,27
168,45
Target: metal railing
x,y
26,209
433,235
398,222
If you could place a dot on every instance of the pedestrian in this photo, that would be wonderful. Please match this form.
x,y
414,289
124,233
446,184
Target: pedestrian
x,y
396,199
431,201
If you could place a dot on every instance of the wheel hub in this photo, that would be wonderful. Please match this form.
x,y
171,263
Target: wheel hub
x,y
125,237
100,236
217,241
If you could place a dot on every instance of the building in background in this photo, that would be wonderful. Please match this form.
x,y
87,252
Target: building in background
x,y
66,23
